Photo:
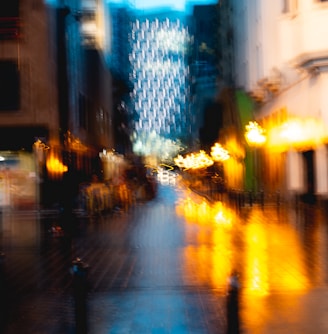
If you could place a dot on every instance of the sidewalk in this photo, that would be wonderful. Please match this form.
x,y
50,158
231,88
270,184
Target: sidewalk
x,y
153,270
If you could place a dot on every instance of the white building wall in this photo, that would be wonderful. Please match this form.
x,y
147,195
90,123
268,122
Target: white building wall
x,y
290,45
256,39
322,99
302,99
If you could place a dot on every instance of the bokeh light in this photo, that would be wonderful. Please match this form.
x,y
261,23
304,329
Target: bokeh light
x,y
255,134
194,160
218,153
159,74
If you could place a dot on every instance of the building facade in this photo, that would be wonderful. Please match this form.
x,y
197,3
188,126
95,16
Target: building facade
x,y
281,63
160,75
171,67
204,72
55,101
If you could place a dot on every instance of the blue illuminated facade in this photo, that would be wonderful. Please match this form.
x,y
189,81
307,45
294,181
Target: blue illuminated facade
x,y
160,75
155,52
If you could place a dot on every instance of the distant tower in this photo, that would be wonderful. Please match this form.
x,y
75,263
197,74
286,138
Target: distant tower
x,y
160,75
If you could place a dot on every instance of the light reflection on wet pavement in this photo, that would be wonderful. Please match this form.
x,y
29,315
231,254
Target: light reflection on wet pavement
x,y
163,267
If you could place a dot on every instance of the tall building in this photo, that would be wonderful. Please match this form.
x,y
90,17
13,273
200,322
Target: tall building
x,y
171,68
203,62
214,91
118,58
55,101
83,71
160,75
28,96
28,101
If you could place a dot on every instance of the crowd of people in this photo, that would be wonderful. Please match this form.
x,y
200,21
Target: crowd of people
x,y
116,194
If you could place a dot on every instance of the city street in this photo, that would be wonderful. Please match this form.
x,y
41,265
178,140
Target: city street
x,y
164,267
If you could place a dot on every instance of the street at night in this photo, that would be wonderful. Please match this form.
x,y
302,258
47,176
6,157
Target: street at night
x,y
164,266
163,167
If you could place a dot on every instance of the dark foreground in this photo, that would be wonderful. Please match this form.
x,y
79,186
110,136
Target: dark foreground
x,y
155,269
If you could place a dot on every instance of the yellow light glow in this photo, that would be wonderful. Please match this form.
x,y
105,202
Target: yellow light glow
x,y
195,211
256,274
209,257
299,133
255,134
55,166
213,253
204,212
222,215
274,261
194,161
292,131
265,253
218,153
167,166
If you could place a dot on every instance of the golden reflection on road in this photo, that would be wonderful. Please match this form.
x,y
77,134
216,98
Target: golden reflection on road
x,y
274,263
209,257
256,272
274,257
268,254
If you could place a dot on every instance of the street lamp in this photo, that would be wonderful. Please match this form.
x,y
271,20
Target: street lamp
x,y
218,153
256,138
194,161
255,134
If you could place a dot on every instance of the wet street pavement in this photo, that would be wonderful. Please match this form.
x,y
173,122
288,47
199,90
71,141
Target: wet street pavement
x,y
164,267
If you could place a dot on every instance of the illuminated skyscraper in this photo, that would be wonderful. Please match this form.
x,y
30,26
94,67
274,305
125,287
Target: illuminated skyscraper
x,y
160,75
160,67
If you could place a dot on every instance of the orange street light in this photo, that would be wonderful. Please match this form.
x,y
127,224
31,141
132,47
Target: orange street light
x,y
255,137
194,161
218,153
255,134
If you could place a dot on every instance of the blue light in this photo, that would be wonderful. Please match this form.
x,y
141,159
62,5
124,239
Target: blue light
x,y
180,5
51,2
160,84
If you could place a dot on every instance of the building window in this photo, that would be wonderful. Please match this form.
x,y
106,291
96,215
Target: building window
x,y
9,86
9,20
